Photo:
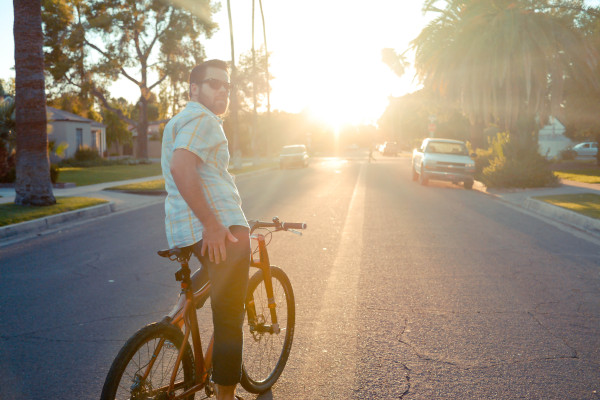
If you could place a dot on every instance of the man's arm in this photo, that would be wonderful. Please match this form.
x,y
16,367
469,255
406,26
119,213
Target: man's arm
x,y
184,166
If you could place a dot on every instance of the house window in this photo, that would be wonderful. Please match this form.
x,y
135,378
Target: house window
x,y
94,145
79,136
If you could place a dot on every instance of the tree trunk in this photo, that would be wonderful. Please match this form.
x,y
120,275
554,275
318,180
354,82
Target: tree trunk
x,y
142,138
476,134
33,185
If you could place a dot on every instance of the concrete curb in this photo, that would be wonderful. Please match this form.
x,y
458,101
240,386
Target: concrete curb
x,y
563,215
550,211
43,224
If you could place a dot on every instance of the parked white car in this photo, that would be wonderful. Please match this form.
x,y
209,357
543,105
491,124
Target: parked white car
x,y
586,149
293,155
445,160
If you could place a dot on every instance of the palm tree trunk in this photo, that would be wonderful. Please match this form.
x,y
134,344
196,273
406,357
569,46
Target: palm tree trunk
x,y
33,185
233,97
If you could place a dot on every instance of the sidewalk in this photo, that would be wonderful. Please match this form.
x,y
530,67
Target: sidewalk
x,y
117,202
524,198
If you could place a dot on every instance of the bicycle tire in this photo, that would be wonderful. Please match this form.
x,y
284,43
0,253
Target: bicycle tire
x,y
123,379
265,354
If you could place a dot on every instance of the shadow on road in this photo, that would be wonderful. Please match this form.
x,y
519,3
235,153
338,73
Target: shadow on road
x,y
265,396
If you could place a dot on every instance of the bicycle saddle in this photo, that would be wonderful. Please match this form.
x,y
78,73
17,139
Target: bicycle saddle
x,y
183,253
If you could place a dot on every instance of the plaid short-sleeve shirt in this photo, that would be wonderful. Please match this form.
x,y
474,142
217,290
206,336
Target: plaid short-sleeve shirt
x,y
198,130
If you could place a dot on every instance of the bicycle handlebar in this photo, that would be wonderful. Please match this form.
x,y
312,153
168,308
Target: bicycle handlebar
x,y
277,224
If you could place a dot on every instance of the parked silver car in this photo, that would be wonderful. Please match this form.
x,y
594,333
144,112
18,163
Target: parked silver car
x,y
445,160
586,149
293,155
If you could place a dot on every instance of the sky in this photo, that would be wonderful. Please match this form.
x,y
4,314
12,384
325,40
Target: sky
x,y
326,54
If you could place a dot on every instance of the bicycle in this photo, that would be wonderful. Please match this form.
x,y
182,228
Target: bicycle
x,y
158,363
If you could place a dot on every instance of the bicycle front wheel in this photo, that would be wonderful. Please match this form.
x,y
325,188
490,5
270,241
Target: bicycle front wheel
x,y
266,349
143,367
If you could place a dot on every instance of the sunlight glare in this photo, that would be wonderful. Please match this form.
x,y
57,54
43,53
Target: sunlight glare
x,y
334,163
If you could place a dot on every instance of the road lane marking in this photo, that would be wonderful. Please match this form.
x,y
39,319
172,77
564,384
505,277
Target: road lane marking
x,y
332,363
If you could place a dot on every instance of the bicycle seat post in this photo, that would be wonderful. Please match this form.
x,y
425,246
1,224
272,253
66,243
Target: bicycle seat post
x,y
183,275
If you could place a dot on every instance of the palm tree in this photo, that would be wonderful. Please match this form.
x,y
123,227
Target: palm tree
x,y
233,96
505,61
33,185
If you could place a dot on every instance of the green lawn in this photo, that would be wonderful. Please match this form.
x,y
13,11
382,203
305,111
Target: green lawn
x,y
580,175
158,186
11,213
111,173
587,204
154,186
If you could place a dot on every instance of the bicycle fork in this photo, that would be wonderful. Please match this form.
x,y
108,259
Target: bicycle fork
x,y
265,266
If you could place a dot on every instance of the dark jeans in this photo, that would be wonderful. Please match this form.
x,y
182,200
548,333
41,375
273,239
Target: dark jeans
x,y
229,281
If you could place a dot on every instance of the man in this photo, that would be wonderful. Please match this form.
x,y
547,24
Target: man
x,y
203,209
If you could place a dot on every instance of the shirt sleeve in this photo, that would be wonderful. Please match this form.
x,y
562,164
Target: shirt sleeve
x,y
201,136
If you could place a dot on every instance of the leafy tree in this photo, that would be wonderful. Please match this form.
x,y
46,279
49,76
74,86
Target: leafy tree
x,y
75,104
33,185
582,101
504,60
396,62
406,118
116,129
253,92
7,134
93,43
252,80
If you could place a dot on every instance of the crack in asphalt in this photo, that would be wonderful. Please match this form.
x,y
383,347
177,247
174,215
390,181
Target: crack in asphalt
x,y
563,340
427,358
407,378
423,356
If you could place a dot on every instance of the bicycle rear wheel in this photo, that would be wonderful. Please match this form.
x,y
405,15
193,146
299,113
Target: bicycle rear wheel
x,y
125,378
265,351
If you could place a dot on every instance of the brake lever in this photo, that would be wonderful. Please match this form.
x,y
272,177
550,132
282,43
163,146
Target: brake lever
x,y
294,231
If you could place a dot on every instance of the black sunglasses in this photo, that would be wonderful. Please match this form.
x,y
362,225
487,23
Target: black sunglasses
x,y
217,84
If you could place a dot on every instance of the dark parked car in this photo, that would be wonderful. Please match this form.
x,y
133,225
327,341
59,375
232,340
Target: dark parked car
x,y
294,155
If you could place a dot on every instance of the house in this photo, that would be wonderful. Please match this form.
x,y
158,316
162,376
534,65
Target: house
x,y
74,131
154,138
552,139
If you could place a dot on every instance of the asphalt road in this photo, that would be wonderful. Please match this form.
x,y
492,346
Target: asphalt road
x,y
402,291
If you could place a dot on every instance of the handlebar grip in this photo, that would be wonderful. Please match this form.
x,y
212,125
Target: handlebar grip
x,y
294,225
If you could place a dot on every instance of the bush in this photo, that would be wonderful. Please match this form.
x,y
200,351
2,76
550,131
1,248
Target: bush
x,y
54,172
519,173
485,157
99,162
568,154
8,172
9,176
507,165
86,154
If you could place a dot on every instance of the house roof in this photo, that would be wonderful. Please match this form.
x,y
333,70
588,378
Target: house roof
x,y
54,114
554,127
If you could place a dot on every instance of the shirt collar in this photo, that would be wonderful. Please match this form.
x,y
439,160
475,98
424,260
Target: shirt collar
x,y
195,104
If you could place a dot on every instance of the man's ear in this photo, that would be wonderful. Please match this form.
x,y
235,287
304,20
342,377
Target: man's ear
x,y
194,90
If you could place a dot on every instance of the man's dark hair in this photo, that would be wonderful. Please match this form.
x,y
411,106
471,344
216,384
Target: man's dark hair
x,y
199,72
